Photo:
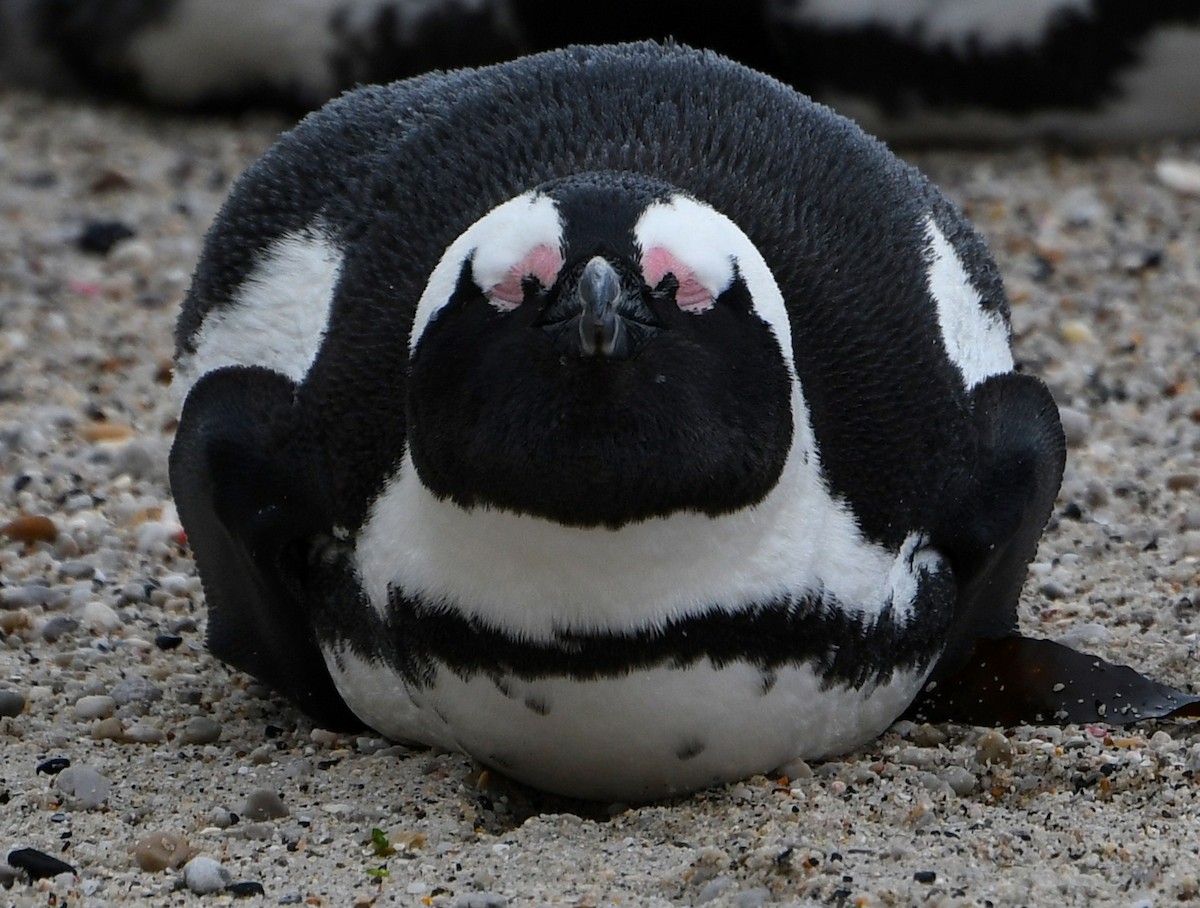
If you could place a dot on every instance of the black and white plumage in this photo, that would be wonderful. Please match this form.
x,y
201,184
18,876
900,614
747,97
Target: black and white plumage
x,y
927,70
617,416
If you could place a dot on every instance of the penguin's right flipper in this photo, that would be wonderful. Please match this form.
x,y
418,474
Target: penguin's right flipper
x,y
250,508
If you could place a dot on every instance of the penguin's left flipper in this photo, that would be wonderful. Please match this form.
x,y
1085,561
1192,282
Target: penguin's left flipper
x,y
1020,680
989,674
249,503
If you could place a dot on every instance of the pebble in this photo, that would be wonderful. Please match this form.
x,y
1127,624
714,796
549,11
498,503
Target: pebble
x,y
135,690
481,900
85,784
37,864
99,237
994,748
1191,543
58,627
264,804
12,703
1076,425
752,898
30,528
76,570
145,733
53,766
161,851
961,780
96,706
110,729
1180,175
243,889
99,616
201,730
204,876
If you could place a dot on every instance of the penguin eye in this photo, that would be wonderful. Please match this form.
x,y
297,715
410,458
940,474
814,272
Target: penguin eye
x,y
534,273
667,274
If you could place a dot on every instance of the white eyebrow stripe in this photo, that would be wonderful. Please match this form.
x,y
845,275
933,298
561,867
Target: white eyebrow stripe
x,y
494,243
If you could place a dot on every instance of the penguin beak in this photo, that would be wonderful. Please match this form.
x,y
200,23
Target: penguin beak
x,y
600,326
598,318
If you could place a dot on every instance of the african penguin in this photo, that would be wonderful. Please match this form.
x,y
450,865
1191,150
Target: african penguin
x,y
1078,71
617,416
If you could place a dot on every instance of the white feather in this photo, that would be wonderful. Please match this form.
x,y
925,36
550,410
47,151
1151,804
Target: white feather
x,y
277,318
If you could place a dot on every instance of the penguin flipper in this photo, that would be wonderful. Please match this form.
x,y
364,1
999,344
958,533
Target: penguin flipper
x,y
998,510
989,674
1020,680
249,510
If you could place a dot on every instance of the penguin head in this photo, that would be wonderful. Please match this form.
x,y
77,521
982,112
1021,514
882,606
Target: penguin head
x,y
600,350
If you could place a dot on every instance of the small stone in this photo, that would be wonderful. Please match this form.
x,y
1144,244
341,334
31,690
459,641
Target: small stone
x,y
961,780
926,735
135,690
99,237
145,733
795,769
921,757
11,703
110,729
76,570
752,898
1080,636
100,617
96,706
481,900
37,864
1191,543
58,627
1179,482
201,730
1179,175
1076,425
1075,331
161,851
264,804
84,784
925,876
204,876
243,889
30,528
221,818
53,766
994,748
1053,590
714,889
167,641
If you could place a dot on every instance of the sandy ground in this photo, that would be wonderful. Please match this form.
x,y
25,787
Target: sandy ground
x,y
102,660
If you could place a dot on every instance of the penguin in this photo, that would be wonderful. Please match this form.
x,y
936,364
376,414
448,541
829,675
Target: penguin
x,y
972,71
619,417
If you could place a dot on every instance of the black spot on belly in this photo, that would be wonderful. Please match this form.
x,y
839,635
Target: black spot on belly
x,y
502,685
766,682
537,705
690,750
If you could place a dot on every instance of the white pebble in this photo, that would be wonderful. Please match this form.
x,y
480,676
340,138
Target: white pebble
x,y
204,876
1181,176
98,616
95,707
85,784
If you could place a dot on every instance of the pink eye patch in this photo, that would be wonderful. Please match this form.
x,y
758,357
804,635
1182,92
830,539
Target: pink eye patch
x,y
691,296
541,263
